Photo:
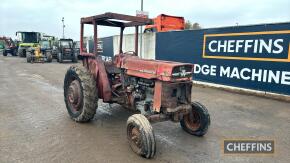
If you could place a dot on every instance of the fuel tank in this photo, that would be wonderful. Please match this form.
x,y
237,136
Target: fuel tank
x,y
154,69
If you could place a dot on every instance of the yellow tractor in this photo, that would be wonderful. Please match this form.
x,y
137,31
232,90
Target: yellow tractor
x,y
38,54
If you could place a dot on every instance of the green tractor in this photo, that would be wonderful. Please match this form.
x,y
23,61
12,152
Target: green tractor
x,y
49,43
27,40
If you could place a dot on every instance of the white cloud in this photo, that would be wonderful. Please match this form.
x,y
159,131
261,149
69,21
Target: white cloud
x,y
45,16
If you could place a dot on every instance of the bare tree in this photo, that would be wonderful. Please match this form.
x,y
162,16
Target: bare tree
x,y
188,25
196,26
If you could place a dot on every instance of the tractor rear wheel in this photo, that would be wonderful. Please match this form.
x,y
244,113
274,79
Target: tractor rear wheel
x,y
141,136
4,53
197,121
80,94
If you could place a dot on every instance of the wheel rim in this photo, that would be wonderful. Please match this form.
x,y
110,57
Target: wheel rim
x,y
135,139
192,120
74,96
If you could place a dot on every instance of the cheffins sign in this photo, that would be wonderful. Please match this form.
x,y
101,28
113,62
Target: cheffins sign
x,y
254,56
256,46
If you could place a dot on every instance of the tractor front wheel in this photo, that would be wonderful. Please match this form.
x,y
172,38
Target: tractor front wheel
x,y
4,53
59,58
197,121
14,52
75,58
28,57
80,94
48,56
141,136
21,52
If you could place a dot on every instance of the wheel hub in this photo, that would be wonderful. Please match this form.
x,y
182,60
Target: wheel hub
x,y
135,139
74,95
192,120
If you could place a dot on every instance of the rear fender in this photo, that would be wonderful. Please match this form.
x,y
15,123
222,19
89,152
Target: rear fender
x,y
97,69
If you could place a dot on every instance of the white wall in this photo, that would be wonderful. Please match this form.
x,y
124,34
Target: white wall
x,y
148,44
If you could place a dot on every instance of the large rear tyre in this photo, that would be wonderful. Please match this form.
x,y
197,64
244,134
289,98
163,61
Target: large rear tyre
x,y
141,136
197,121
4,53
80,94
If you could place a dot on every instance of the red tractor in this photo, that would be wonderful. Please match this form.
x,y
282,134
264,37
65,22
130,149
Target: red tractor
x,y
155,90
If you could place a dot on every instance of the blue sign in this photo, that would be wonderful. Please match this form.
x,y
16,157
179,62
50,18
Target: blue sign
x,y
260,46
255,57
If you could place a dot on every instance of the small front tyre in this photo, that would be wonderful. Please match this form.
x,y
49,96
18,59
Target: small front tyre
x,y
80,94
75,58
141,136
59,58
29,57
49,57
197,121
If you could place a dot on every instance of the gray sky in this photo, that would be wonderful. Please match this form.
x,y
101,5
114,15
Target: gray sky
x,y
45,15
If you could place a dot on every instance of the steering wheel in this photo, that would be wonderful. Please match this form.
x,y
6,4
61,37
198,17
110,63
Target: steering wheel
x,y
130,53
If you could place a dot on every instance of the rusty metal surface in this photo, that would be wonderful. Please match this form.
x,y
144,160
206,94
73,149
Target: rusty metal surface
x,y
157,118
98,70
148,68
192,120
157,96
136,40
100,19
75,96
95,38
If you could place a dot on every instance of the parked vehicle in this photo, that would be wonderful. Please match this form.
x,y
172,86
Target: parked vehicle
x,y
164,23
49,43
153,89
66,51
8,45
39,54
77,49
27,40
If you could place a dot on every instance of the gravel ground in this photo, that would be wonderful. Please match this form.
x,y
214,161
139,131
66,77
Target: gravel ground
x,y
35,126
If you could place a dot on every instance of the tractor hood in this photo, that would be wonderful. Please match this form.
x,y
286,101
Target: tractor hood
x,y
154,69
28,44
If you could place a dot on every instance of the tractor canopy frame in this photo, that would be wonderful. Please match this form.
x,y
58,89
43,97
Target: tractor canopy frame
x,y
113,20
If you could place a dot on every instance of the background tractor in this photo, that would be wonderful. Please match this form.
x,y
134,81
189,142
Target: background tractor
x,y
27,40
49,43
8,46
39,54
66,51
77,49
154,90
